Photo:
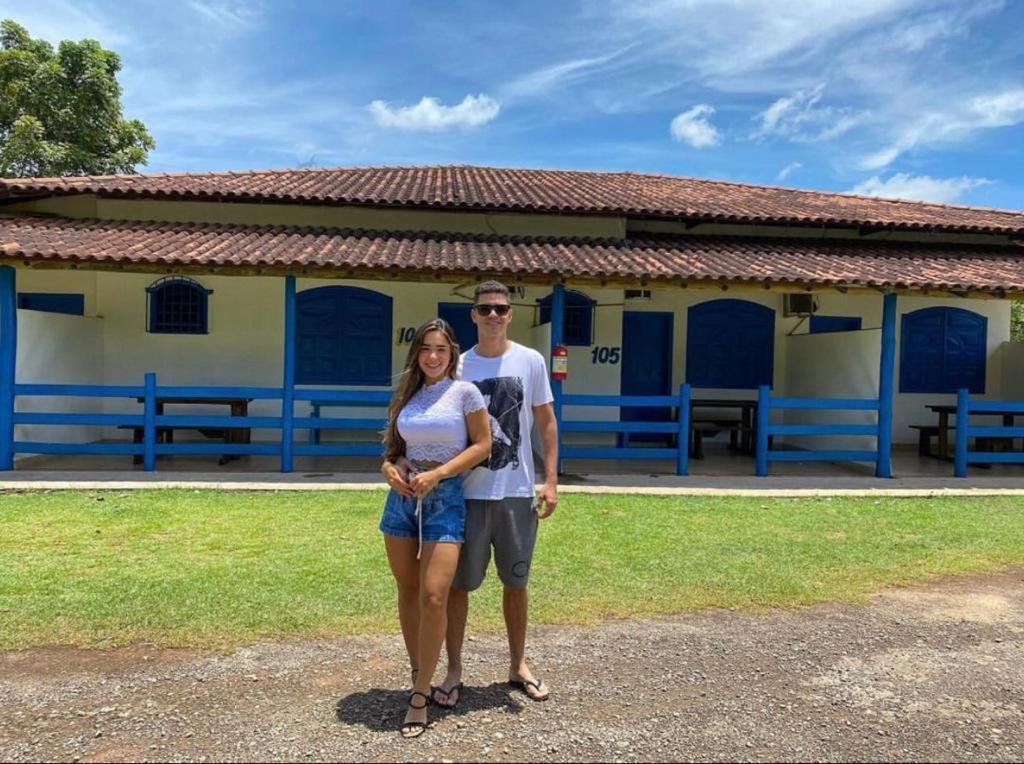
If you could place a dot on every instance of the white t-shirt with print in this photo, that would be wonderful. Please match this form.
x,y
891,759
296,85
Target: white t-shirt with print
x,y
512,384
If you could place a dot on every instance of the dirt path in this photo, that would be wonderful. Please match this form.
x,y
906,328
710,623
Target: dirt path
x,y
929,673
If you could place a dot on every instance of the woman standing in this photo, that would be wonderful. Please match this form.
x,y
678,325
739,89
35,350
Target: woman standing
x,y
431,419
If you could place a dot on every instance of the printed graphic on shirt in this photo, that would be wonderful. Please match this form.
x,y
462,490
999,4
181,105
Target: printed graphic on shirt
x,y
504,398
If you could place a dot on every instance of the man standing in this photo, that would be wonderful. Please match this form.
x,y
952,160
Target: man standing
x,y
500,509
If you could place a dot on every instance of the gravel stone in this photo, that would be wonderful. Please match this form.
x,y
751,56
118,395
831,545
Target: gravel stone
x,y
932,672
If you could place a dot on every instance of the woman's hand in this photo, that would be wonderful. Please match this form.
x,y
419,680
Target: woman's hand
x,y
395,478
423,482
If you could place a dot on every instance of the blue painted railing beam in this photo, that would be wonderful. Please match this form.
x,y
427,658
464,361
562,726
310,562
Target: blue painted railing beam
x,y
8,359
886,383
765,455
288,386
681,428
962,455
557,338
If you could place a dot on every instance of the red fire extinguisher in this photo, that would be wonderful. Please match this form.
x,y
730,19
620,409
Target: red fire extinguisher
x,y
559,362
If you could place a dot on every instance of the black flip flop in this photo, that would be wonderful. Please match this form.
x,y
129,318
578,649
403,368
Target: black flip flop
x,y
447,694
521,685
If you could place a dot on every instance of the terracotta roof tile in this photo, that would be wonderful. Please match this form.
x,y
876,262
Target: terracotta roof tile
x,y
492,188
675,258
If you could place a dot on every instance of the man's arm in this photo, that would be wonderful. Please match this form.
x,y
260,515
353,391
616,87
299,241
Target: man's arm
x,y
547,426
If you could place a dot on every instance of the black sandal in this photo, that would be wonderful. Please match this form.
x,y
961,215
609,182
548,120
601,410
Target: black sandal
x,y
447,694
415,729
522,684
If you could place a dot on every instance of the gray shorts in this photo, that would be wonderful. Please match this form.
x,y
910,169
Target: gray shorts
x,y
510,525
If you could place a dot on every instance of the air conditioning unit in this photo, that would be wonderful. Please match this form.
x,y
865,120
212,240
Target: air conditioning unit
x,y
799,304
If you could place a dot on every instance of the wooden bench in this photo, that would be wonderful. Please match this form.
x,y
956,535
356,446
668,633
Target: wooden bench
x,y
925,433
165,434
701,428
928,431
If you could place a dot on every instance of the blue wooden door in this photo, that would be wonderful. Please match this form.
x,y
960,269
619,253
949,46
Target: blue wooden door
x,y
943,349
646,364
343,337
730,344
457,314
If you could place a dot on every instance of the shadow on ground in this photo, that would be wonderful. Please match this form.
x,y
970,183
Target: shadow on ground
x,y
382,710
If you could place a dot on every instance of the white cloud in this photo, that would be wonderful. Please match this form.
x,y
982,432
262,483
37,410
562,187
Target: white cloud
x,y
542,81
430,114
226,13
799,118
953,123
692,126
789,169
920,187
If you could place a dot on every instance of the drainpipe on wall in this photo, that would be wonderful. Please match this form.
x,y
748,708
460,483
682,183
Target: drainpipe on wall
x,y
8,356
886,377
557,337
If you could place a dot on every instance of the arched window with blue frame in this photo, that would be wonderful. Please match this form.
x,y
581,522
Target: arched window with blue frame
x,y
578,328
730,344
343,337
943,349
177,305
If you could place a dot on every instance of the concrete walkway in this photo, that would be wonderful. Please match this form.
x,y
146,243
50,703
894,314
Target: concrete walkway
x,y
700,485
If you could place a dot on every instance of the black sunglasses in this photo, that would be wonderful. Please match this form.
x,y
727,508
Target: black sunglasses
x,y
486,310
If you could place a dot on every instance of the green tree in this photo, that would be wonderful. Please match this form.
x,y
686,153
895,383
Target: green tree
x,y
1017,321
60,112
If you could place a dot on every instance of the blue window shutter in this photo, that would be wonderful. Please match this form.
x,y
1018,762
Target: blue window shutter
x,y
943,349
824,324
343,337
730,344
52,302
579,317
457,314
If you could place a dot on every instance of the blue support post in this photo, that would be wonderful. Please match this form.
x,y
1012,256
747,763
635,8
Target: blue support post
x,y
763,404
8,358
557,336
683,442
149,424
963,416
288,387
886,376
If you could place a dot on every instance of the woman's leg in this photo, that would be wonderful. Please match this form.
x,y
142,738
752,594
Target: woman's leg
x,y
406,570
437,569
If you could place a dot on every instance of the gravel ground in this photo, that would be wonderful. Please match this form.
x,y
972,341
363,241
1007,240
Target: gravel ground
x,y
927,673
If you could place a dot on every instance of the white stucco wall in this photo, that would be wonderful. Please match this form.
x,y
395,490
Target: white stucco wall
x,y
908,408
1013,370
833,365
244,346
57,349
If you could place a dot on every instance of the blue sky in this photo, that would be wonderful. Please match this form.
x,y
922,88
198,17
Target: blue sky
x,y
907,98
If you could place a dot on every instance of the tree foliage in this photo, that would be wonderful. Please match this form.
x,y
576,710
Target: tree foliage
x,y
60,112
1017,321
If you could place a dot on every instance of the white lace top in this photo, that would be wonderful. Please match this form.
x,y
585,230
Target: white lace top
x,y
433,422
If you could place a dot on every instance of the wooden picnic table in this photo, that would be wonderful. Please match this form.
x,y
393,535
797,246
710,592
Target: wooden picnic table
x,y
165,434
748,416
944,410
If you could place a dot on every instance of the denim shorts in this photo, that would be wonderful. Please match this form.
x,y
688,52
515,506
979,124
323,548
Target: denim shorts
x,y
444,514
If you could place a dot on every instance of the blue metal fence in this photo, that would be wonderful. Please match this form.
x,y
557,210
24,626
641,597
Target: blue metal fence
x,y
680,428
149,421
766,429
965,431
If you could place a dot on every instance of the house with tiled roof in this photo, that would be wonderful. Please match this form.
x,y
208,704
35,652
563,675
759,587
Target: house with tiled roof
x,y
291,295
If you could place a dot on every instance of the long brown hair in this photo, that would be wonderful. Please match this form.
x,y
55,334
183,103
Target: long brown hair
x,y
411,380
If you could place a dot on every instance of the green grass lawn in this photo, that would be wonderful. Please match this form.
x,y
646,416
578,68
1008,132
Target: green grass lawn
x,y
209,568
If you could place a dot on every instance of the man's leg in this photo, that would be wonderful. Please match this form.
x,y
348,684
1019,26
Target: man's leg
x,y
473,562
515,537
